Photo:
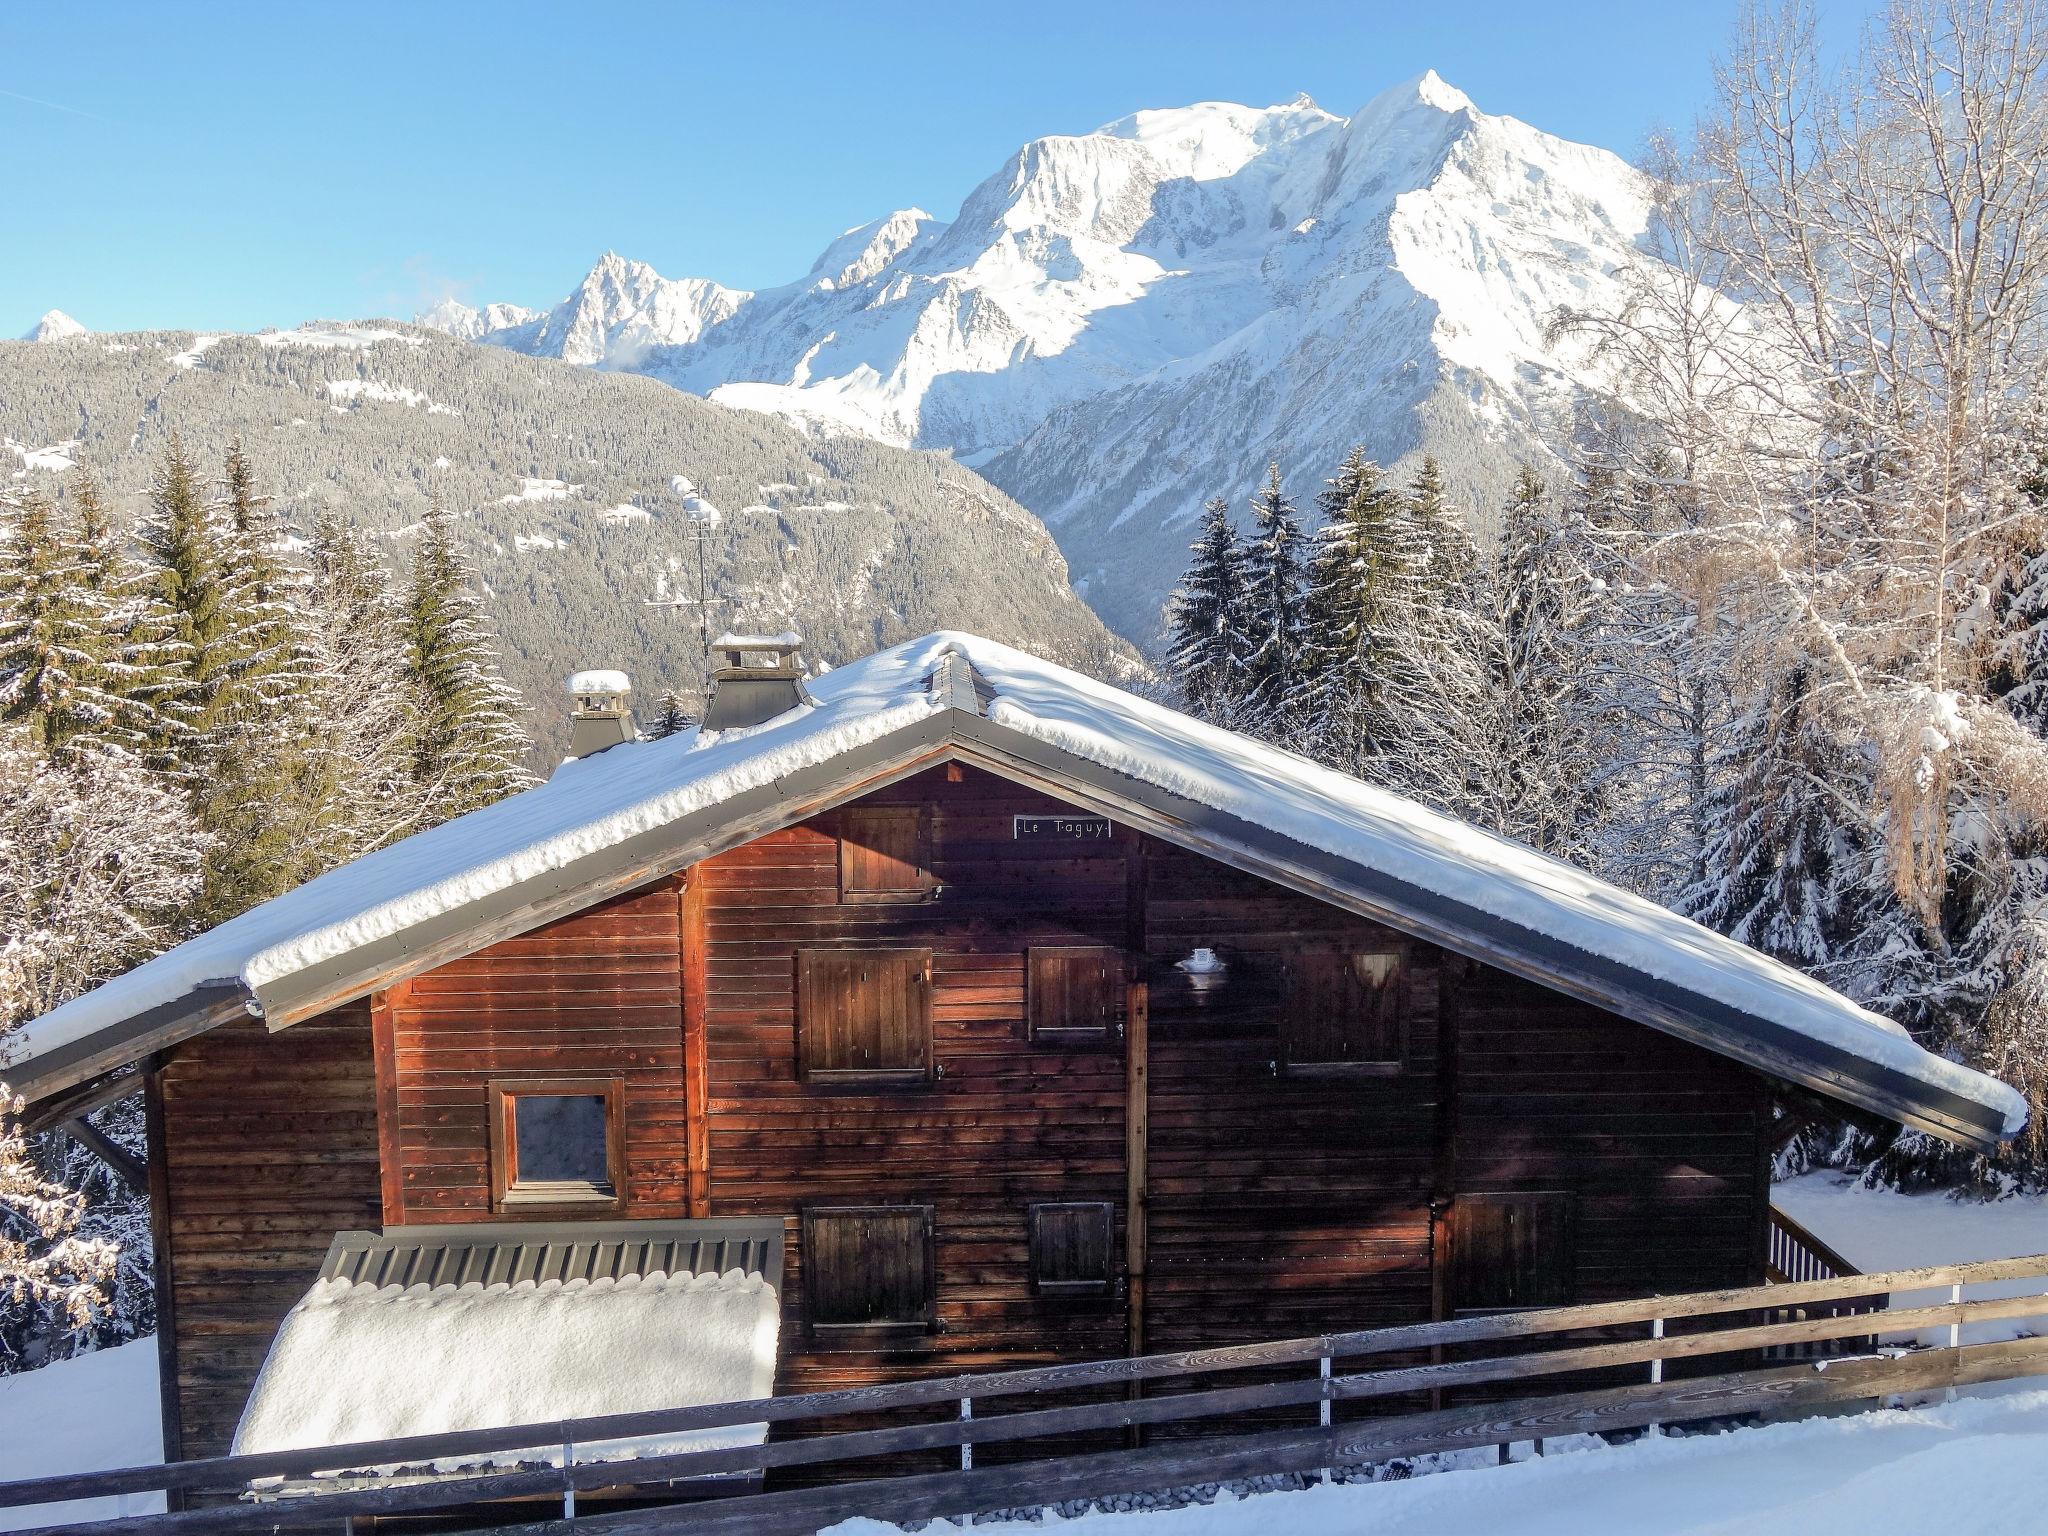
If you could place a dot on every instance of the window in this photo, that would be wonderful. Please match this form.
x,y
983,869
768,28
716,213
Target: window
x,y
1511,1251
1344,1011
869,1267
884,854
1071,993
1073,1248
864,1016
556,1142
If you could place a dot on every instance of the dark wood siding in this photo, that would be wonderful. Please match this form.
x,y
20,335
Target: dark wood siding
x,y
1659,1143
1005,1122
269,1148
594,996
1280,1205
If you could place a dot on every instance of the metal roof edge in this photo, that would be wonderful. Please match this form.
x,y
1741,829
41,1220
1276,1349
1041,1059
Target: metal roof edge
x,y
1769,1047
960,727
205,1007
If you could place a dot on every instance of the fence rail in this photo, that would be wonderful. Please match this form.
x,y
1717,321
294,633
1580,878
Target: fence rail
x,y
1555,1342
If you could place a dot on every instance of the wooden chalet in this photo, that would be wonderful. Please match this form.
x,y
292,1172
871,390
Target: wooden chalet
x,y
992,1016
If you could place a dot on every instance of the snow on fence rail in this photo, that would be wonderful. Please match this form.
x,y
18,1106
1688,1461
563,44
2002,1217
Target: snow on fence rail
x,y
1721,1323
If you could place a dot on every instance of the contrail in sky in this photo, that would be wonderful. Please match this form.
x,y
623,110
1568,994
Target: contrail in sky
x,y
54,106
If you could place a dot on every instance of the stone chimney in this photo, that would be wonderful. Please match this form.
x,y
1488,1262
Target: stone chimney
x,y
753,678
599,715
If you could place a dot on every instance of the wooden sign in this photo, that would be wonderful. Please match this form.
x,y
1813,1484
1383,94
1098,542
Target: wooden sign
x,y
1076,829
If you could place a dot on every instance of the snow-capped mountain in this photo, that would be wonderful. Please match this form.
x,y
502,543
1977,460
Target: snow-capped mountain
x,y
55,326
1119,324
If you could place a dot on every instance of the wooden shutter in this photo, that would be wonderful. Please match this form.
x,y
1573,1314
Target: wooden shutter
x,y
1073,1248
1345,1011
864,1015
869,1266
1071,992
884,854
1512,1250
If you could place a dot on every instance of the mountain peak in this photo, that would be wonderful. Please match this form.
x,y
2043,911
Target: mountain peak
x,y
55,326
1433,90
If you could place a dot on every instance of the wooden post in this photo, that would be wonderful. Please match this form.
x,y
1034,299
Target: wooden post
x,y
1137,1135
1137,1083
696,1052
157,1157
384,1064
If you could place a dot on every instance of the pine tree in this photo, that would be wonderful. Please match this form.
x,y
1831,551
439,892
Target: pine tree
x,y
1540,733
1368,682
1276,600
178,538
468,748
137,660
673,718
270,663
1208,644
358,790
49,644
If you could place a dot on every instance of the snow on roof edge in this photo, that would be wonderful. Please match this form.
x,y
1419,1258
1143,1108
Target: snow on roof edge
x,y
594,804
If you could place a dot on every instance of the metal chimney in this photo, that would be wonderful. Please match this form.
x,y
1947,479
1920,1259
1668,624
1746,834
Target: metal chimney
x,y
599,716
754,678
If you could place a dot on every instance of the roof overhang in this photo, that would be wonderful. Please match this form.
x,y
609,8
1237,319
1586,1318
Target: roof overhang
x,y
959,729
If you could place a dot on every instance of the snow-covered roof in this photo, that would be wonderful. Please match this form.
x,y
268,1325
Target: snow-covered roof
x,y
652,806
599,680
359,1360
789,639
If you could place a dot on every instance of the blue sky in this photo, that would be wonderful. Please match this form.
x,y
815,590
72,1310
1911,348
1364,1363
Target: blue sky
x,y
240,166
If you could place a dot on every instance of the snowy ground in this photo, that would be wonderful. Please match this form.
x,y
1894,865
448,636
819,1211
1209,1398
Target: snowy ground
x,y
1978,1466
1876,1229
83,1415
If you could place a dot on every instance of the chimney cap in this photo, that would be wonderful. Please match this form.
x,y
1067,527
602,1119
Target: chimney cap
x,y
788,640
599,680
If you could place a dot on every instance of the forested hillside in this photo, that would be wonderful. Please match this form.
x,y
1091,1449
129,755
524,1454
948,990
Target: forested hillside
x,y
582,496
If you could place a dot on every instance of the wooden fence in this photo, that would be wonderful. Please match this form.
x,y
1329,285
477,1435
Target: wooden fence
x,y
1465,1353
1795,1254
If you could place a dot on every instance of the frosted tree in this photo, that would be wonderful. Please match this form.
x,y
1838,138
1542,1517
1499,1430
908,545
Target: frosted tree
x,y
137,657
99,862
355,785
45,1262
1369,691
468,741
1532,776
50,642
1277,602
1208,641
672,718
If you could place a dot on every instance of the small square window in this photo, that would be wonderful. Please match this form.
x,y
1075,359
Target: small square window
x,y
869,1267
885,854
1511,1251
1072,992
1073,1248
556,1142
1345,1011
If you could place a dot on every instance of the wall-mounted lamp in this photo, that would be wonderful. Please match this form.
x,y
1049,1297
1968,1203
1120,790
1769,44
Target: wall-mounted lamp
x,y
1204,969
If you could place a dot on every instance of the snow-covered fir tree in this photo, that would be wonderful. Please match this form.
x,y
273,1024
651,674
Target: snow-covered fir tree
x,y
1277,599
468,746
672,718
50,637
1209,622
1368,690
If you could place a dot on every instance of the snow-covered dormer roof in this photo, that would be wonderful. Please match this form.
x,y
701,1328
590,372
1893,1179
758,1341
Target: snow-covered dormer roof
x,y
646,808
